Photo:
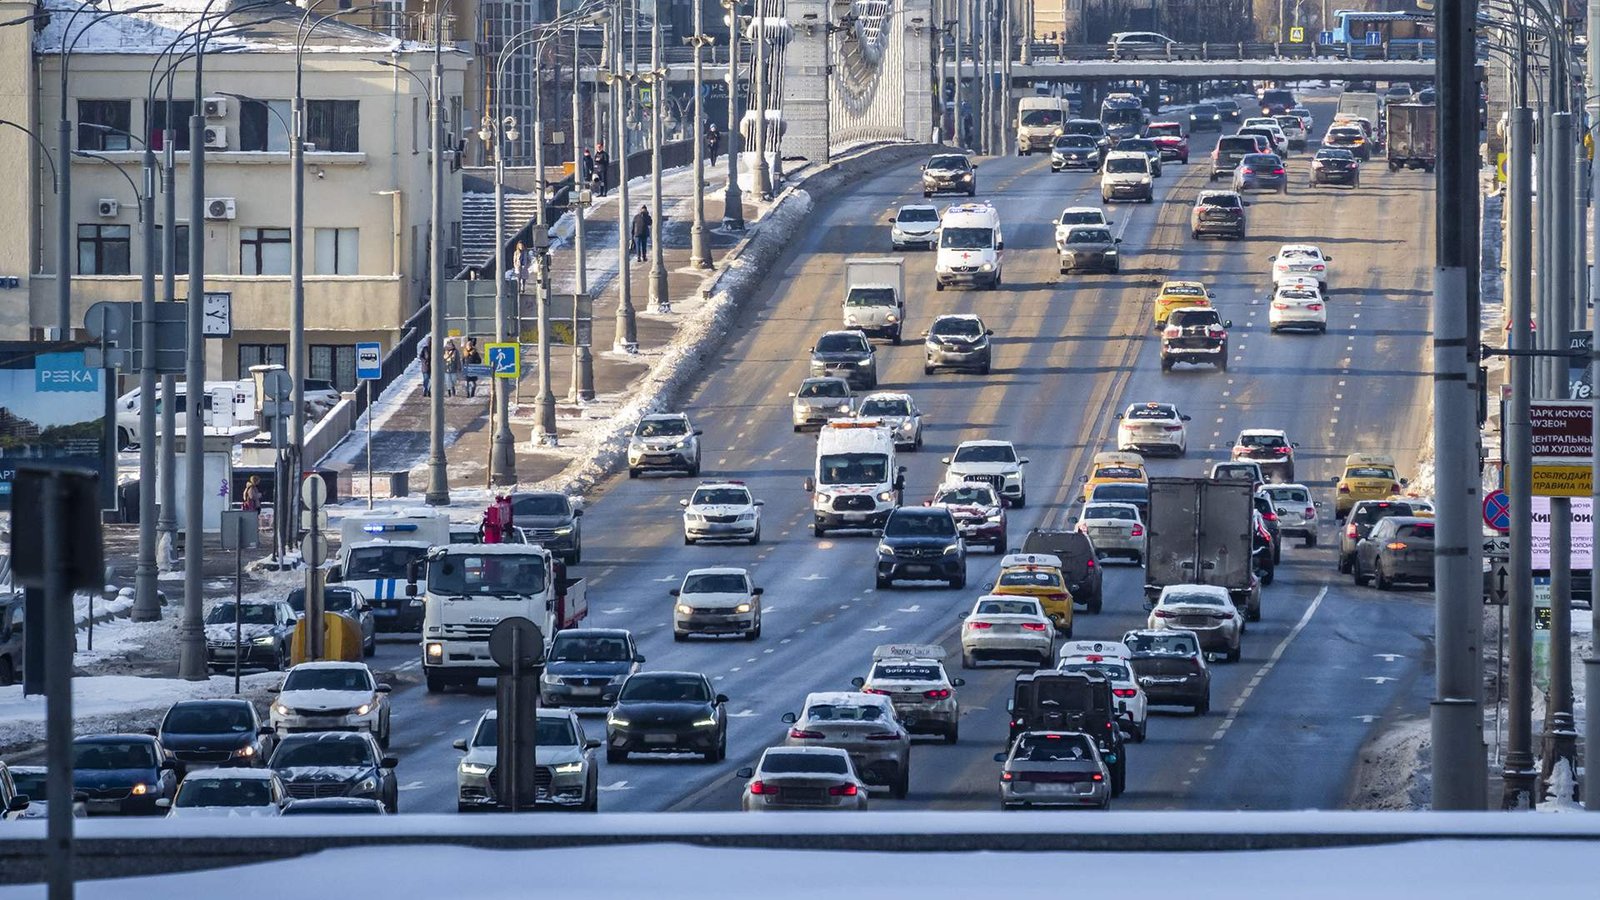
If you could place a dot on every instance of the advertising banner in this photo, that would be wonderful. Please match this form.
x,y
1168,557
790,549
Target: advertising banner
x,y
52,409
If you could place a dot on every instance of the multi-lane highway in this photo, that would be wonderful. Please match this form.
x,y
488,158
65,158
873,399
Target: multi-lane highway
x,y
1322,671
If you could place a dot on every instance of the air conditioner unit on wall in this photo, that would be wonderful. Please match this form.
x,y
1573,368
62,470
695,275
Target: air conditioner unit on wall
x,y
216,137
107,209
220,208
214,107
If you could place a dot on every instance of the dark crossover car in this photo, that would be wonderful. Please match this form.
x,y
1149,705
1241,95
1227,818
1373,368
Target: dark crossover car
x,y
1229,109
1054,768
848,355
1092,128
1358,524
1261,172
221,732
922,544
1195,335
1269,520
347,602
1146,146
337,764
1225,157
1090,248
552,520
1205,117
1349,137
950,173
1171,668
1333,165
586,667
1218,212
1397,549
1075,151
667,712
123,774
263,633
1077,555
957,342
336,806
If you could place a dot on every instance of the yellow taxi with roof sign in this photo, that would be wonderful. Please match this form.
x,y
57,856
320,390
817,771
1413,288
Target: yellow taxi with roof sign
x,y
1038,575
1114,466
1178,295
1367,476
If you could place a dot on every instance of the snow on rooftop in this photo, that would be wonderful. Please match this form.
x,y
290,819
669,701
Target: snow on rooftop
x,y
257,25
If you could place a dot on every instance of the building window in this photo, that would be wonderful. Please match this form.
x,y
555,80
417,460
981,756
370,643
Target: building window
x,y
261,355
180,262
336,251
104,249
155,121
335,363
263,125
333,126
104,124
263,251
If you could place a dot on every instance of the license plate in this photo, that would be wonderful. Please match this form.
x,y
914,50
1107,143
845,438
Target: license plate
x,y
660,738
105,804
1054,787
918,570
385,611
853,516
586,692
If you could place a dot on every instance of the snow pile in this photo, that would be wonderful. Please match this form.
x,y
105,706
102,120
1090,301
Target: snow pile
x,y
117,703
1559,792
1396,769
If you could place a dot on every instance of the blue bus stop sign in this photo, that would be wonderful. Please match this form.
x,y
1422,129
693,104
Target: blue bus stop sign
x,y
369,361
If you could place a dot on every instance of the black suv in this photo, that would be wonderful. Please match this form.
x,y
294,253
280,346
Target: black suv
x,y
1218,212
1091,127
1048,700
1195,335
1269,517
1076,553
550,519
1333,165
848,355
922,543
957,342
1228,153
586,666
1277,101
1170,667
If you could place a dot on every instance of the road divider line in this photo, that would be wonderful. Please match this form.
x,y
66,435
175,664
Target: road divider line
x,y
1272,661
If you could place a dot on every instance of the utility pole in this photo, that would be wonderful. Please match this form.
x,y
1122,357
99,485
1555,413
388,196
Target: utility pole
x,y
582,357
191,632
1459,761
544,432
626,339
660,301
167,521
146,603
763,174
699,252
438,493
1008,38
732,197
499,128
960,91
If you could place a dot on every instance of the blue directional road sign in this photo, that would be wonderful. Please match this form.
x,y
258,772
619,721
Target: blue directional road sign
x,y
369,361
505,359
1497,510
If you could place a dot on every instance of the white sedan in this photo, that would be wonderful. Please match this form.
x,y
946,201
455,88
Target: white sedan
x,y
1126,694
1300,261
1205,609
1078,215
1297,304
1115,529
1153,428
1009,627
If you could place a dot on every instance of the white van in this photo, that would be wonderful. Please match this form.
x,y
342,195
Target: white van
x,y
970,245
1039,121
1126,175
856,483
225,404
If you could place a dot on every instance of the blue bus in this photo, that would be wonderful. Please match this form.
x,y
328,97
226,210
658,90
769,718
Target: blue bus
x,y
1399,29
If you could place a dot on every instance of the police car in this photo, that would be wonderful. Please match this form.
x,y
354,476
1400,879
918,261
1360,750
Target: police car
x,y
1112,659
721,510
913,677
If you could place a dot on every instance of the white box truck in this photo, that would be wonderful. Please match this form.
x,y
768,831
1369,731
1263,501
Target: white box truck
x,y
875,296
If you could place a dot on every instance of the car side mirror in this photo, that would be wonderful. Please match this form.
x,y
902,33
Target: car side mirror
x,y
591,744
1117,241
1227,323
788,718
1183,418
791,393
721,699
460,744
961,615
810,484
151,731
1022,460
1405,482
273,690
758,591
18,803
335,574
945,460
745,772
168,766
577,514
684,502
1072,521
265,731
163,803
999,757
389,762
1327,259
673,592
1245,202
988,586
958,682
384,688
1274,256
999,245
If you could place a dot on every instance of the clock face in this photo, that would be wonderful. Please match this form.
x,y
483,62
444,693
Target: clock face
x,y
218,314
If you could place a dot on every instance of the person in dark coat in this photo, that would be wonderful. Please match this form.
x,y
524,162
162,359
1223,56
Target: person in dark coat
x,y
641,233
425,358
588,165
713,141
472,356
602,168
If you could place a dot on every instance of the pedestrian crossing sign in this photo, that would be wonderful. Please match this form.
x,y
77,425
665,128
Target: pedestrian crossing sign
x,y
1297,35
505,360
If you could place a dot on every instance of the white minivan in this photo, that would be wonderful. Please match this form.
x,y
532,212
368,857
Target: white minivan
x,y
970,245
1127,175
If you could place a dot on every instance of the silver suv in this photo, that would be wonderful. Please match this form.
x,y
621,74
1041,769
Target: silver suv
x,y
664,442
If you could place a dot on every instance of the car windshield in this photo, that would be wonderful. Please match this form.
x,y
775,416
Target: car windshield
x,y
249,614
114,755
1141,144
1037,118
966,238
1053,748
843,712
1075,142
205,718
957,327
918,214
1367,513
869,296
221,791
553,731
1085,127
329,749
1191,598
1161,643
831,387
841,343
1369,472
568,647
721,497
715,583
1299,253
1262,440
1112,671
487,575
1125,166
967,495
778,762
1298,294
977,453
1007,608
538,505
1082,217
1104,511
1287,122
1345,134
1183,290
956,163
30,784
665,689
1082,235
1288,495
899,671
1202,109
1165,130
1278,97
1152,412
1190,318
1029,578
913,524
885,406
1225,470
342,678
1415,532
1265,160
1230,201
1130,115
661,428
380,562
333,600
1124,493
853,468
1344,155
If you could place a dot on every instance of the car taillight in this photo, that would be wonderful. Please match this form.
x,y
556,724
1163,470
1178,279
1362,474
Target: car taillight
x,y
1344,488
1097,777
801,735
1311,512
1278,304
1082,528
843,790
1125,692
761,787
1277,171
1171,331
1350,532
1318,267
1314,307
1173,427
1395,545
1138,531
867,690
979,625
1283,449
1005,776
1270,517
1249,171
1058,597
1394,488
1032,626
1164,614
1224,615
1088,564
883,736
937,694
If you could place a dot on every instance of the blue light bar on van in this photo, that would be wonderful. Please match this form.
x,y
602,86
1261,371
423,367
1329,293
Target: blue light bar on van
x,y
380,528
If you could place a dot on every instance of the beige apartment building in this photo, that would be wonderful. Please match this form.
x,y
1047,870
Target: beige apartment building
x,y
367,178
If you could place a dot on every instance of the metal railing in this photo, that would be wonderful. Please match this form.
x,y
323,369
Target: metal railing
x,y
337,424
1049,51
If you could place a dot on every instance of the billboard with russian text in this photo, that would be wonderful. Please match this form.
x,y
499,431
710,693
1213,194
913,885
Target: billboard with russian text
x,y
52,409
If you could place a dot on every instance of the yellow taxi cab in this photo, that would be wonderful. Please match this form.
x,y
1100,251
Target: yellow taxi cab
x,y
1367,476
1421,507
1114,466
1038,575
1177,295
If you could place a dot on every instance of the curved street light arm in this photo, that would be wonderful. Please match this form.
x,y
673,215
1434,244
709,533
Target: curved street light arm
x,y
137,197
55,180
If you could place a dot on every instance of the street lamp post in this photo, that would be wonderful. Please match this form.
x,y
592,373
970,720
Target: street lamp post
x,y
626,339
732,197
699,251
763,174
544,431
496,131
660,302
582,357
438,469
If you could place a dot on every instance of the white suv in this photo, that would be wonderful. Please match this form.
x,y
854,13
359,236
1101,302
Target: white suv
x,y
994,462
1127,175
721,510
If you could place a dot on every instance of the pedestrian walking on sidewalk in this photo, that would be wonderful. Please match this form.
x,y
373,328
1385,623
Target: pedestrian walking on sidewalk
x,y
251,499
713,141
641,233
588,165
602,168
452,367
472,357
425,357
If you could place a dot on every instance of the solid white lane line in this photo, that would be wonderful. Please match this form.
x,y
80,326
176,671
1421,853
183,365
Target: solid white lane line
x,y
1266,667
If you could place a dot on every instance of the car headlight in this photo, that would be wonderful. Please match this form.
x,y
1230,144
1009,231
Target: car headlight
x,y
367,784
885,550
863,362
742,608
844,407
282,710
1216,115
564,530
996,516
951,548
850,320
244,752
472,768
617,722
571,768
435,651
705,723
908,426
263,641
747,517
140,789
680,445
966,176
363,709
693,517
549,678
685,609
1111,253
886,496
986,267
891,318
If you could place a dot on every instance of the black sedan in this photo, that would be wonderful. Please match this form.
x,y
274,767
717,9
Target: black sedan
x,y
336,764
1335,166
1090,248
257,634
1075,151
336,806
123,774
667,712
222,732
922,543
